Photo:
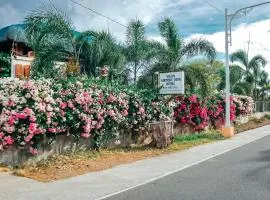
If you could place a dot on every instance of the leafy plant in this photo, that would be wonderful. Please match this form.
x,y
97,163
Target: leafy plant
x,y
5,65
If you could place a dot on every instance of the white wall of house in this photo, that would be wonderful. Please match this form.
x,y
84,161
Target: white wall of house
x,y
27,61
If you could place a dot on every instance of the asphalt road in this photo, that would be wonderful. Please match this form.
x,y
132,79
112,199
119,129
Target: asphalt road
x,y
241,174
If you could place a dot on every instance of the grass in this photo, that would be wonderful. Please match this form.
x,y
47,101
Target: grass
x,y
206,135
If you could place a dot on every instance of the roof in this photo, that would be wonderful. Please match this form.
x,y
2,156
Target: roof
x,y
13,32
16,32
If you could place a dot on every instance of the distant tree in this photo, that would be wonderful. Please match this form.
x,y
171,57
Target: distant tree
x,y
252,70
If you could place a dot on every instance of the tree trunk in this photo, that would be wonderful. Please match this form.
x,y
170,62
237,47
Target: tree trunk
x,y
135,72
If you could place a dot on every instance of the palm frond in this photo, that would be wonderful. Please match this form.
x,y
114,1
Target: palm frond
x,y
199,47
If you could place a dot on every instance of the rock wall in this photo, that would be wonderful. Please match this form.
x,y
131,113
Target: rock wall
x,y
158,135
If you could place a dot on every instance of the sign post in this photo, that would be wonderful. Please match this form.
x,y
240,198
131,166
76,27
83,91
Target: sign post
x,y
171,83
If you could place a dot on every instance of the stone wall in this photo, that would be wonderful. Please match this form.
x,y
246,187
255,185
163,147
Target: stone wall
x,y
158,135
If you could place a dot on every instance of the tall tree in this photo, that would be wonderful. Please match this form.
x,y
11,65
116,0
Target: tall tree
x,y
50,34
253,68
101,50
138,49
171,55
176,49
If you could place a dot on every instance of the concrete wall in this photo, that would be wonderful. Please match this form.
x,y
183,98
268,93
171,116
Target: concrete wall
x,y
158,135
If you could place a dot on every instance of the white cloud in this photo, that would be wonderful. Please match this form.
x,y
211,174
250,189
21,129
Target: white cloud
x,y
259,39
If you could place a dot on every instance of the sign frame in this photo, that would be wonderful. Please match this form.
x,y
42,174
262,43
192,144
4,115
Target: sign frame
x,y
179,91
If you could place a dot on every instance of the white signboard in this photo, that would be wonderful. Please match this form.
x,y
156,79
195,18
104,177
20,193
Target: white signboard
x,y
171,83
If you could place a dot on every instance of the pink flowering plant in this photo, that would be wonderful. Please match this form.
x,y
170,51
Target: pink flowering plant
x,y
26,110
96,109
191,111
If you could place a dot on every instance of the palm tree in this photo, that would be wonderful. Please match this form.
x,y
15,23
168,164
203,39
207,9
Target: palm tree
x,y
264,84
169,56
50,34
237,84
138,50
176,49
102,50
252,67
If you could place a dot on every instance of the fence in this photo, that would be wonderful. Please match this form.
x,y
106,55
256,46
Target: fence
x,y
262,106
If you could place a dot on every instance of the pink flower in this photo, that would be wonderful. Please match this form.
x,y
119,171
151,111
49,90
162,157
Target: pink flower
x,y
141,110
85,135
124,113
8,140
87,128
11,120
1,135
111,99
63,105
111,113
28,138
193,99
32,128
21,115
32,118
28,111
33,151
52,130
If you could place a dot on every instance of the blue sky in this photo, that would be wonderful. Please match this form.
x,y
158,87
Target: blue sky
x,y
194,18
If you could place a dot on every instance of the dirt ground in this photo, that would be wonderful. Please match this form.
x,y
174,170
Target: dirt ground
x,y
70,165
65,166
252,124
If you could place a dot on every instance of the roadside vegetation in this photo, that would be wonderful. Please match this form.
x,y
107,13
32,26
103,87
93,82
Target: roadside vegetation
x,y
108,89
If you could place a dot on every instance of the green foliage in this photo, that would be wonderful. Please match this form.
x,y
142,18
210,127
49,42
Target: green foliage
x,y
169,57
202,78
49,34
138,50
5,65
248,75
206,135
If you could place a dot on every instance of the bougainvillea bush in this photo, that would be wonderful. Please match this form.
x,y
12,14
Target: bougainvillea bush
x,y
244,104
191,111
211,111
82,108
98,110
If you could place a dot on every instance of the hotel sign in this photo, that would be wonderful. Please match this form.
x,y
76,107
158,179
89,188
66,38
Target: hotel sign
x,y
171,83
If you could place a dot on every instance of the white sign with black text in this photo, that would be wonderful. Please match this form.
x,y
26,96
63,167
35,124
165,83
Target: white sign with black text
x,y
171,83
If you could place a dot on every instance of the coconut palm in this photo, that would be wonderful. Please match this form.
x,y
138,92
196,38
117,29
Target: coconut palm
x,y
237,84
102,50
264,84
50,34
139,51
171,55
253,68
176,49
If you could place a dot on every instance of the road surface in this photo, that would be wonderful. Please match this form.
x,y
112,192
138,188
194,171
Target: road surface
x,y
241,174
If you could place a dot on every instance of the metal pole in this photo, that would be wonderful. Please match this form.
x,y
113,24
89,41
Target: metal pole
x,y
227,70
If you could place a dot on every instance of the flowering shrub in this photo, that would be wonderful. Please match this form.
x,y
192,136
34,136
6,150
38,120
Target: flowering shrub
x,y
95,109
198,114
83,108
244,104
189,110
26,110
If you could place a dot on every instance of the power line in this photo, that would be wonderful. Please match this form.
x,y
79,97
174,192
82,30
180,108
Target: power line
x,y
98,13
53,5
213,6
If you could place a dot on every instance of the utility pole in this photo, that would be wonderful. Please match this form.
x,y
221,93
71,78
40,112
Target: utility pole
x,y
228,130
